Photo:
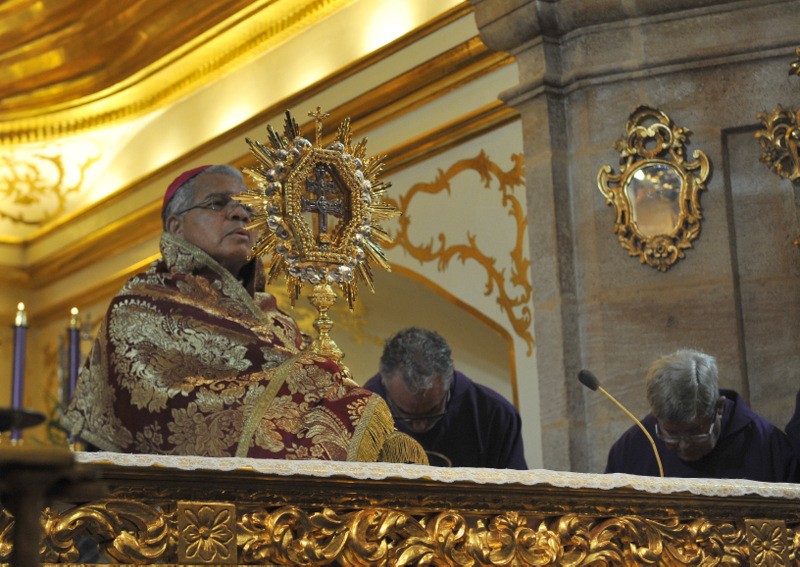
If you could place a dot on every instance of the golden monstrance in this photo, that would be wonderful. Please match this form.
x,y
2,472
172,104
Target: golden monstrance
x,y
318,210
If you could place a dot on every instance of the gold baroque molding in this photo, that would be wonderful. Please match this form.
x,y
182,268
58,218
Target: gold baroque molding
x,y
767,540
780,138
403,94
206,533
266,28
794,68
780,142
202,59
35,183
136,532
199,533
472,55
372,109
516,306
145,223
309,514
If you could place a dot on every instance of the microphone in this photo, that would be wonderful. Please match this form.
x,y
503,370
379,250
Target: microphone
x,y
590,381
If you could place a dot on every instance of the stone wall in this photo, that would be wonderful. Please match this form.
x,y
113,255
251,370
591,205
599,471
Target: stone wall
x,y
711,66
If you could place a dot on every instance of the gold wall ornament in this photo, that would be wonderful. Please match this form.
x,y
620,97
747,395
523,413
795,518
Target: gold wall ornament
x,y
780,137
319,211
35,182
655,194
779,142
512,287
794,68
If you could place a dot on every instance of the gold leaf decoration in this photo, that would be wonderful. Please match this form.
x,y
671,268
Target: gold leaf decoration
x,y
794,68
768,542
36,183
206,533
513,290
131,532
780,142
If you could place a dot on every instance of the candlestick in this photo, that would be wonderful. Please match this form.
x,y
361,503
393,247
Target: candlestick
x,y
73,363
18,378
74,351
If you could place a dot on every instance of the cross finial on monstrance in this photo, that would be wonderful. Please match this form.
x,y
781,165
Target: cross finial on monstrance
x,y
318,117
338,188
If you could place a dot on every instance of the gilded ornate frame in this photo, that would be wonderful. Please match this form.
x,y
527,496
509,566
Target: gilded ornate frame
x,y
780,139
654,144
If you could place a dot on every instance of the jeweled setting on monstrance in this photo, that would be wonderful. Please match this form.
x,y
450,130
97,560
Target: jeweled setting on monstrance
x,y
319,210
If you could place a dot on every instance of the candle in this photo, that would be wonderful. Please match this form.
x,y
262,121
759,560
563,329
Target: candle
x,y
74,351
18,378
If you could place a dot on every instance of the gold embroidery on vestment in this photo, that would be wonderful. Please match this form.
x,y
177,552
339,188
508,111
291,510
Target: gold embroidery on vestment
x,y
277,379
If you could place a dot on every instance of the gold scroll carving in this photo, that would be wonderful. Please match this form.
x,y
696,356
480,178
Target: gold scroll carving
x,y
780,142
201,533
794,68
36,184
513,289
243,517
780,138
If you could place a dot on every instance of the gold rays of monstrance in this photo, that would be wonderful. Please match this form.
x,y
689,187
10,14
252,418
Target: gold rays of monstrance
x,y
318,210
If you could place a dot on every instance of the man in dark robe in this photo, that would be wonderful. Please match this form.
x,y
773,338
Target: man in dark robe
x,y
194,358
457,422
699,430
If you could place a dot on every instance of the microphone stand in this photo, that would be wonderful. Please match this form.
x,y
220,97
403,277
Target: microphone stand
x,y
590,381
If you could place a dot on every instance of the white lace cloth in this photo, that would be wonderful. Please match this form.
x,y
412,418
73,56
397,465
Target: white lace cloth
x,y
383,471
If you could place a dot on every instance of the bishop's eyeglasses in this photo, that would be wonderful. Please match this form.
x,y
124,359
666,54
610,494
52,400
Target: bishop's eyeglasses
x,y
219,203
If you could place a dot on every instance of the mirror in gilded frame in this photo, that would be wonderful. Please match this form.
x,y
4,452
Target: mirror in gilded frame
x,y
655,194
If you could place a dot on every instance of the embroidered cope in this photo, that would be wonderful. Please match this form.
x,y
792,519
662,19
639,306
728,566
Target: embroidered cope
x,y
189,361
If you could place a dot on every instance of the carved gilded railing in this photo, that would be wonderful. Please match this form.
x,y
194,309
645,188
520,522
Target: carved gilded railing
x,y
239,511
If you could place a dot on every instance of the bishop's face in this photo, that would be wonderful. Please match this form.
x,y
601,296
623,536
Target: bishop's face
x,y
215,223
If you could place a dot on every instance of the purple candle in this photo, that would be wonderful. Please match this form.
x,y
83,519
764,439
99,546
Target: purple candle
x,y
74,350
18,379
